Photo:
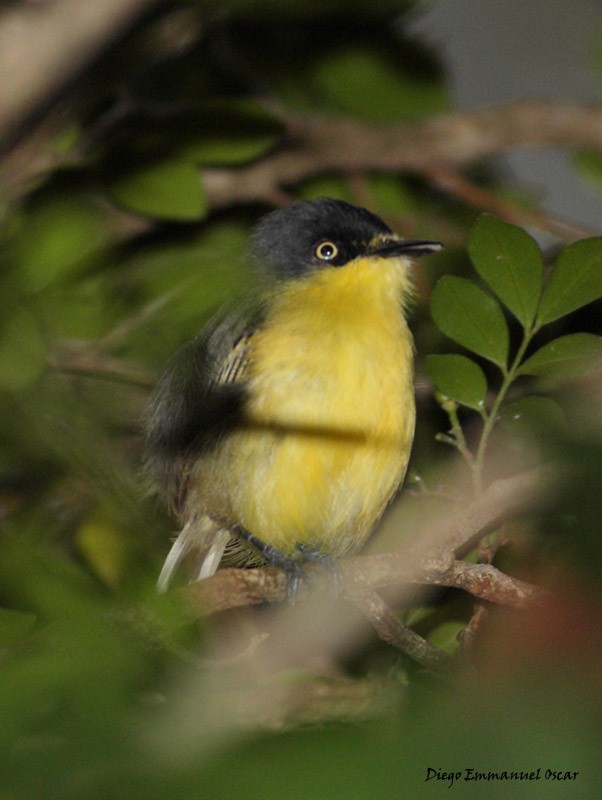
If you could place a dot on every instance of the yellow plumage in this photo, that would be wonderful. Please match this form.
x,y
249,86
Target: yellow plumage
x,y
330,418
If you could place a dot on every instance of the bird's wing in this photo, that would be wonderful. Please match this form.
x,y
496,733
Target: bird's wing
x,y
198,399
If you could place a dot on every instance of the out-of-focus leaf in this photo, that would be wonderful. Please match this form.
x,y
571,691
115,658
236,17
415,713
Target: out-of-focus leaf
x,y
531,413
417,614
185,280
165,189
218,132
366,83
510,261
571,356
15,625
56,238
470,317
589,164
103,548
22,351
576,280
426,750
458,378
394,195
230,133
445,636
83,309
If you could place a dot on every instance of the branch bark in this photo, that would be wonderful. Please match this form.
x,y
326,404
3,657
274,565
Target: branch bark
x,y
234,588
391,630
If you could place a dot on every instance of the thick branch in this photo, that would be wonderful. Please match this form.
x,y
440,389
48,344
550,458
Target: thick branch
x,y
233,588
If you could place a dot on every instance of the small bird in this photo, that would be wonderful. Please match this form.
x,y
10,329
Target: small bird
x,y
279,434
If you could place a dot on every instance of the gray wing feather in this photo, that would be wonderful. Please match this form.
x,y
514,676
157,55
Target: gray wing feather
x,y
198,400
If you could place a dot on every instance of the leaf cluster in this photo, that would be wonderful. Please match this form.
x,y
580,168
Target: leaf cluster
x,y
510,262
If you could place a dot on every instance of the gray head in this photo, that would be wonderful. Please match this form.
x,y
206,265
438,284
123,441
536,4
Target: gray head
x,y
325,233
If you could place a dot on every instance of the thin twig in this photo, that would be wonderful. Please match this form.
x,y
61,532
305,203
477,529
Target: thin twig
x,y
502,500
89,363
453,182
391,630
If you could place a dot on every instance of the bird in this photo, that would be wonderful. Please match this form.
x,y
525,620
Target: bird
x,y
279,434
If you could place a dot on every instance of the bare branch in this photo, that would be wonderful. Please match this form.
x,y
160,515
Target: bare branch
x,y
90,363
441,145
233,588
453,182
391,630
502,500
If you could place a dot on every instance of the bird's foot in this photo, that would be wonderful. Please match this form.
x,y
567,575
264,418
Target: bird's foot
x,y
293,567
294,572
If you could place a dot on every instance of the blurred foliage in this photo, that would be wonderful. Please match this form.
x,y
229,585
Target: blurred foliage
x,y
112,256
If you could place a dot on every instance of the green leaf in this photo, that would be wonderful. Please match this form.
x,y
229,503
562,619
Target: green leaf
x,y
22,351
458,378
511,262
471,317
589,164
530,413
164,189
212,133
366,82
229,133
55,239
572,356
15,625
445,636
575,280
103,547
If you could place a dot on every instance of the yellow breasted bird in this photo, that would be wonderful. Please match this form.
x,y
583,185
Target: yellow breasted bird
x,y
280,433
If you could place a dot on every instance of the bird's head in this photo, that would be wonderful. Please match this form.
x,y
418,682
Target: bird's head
x,y
325,234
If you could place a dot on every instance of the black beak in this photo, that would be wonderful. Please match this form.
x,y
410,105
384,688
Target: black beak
x,y
389,248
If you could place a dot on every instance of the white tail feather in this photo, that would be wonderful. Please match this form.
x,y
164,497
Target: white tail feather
x,y
194,536
214,556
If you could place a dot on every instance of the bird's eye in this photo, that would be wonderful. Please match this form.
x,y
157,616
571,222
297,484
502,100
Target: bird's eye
x,y
326,251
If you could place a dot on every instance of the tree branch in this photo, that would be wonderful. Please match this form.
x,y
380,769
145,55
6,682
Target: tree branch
x,y
502,500
317,146
233,588
452,182
391,630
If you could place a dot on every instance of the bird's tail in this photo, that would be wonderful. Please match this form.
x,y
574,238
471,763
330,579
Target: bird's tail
x,y
202,535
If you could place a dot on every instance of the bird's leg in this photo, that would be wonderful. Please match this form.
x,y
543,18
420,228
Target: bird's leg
x,y
276,558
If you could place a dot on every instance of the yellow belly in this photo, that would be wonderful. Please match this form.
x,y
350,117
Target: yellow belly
x,y
330,417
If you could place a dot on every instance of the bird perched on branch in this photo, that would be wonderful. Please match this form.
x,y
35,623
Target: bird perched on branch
x,y
280,433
